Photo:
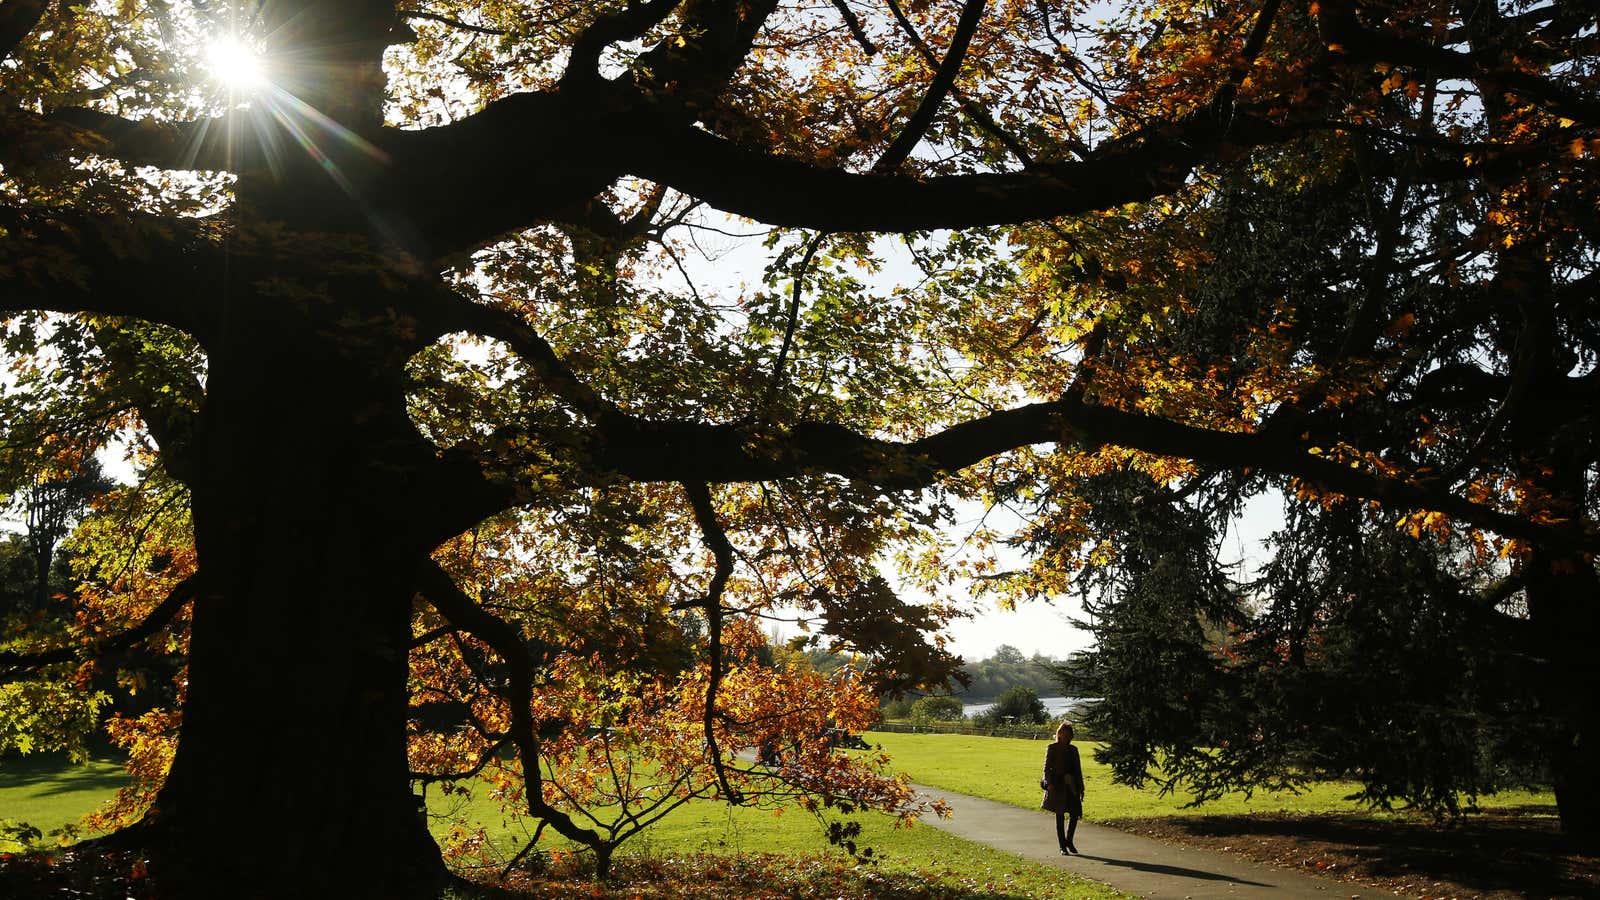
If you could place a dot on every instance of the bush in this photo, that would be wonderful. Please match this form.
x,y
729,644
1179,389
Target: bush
x,y
938,708
1016,706
896,709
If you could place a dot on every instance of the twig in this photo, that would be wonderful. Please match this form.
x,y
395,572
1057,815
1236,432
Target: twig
x,y
453,23
789,328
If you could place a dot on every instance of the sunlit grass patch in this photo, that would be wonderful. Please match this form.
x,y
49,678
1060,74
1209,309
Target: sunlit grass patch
x,y
51,794
890,854
1008,770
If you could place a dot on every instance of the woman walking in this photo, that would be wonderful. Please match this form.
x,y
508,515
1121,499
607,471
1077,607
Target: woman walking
x,y
1063,786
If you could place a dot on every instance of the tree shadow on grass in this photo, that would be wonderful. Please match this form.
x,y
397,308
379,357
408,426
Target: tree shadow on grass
x,y
50,774
1514,852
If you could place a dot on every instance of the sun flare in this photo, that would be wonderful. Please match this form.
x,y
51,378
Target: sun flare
x,y
235,64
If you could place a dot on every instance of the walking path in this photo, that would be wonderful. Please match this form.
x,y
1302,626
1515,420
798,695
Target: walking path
x,y
1125,861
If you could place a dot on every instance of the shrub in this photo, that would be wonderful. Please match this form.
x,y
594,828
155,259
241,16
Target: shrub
x,y
938,708
1017,705
896,709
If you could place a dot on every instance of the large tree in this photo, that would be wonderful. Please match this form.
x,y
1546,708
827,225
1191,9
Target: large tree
x,y
266,283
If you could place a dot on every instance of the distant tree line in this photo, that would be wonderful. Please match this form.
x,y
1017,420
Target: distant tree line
x,y
1007,669
1013,683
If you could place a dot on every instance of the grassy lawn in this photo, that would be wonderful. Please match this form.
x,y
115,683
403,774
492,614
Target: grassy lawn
x,y
718,829
47,792
1008,769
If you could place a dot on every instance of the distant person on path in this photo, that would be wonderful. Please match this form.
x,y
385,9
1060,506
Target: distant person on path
x,y
1063,785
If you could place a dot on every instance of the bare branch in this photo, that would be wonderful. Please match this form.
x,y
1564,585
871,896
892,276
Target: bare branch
x,y
717,540
489,754
854,24
453,23
943,79
789,328
975,112
497,323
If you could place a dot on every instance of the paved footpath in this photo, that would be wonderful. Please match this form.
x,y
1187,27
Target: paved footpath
x,y
1127,862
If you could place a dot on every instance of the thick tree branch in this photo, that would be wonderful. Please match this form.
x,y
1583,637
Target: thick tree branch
x,y
1348,39
688,74
943,80
683,451
529,157
224,143
524,159
705,515
140,266
1223,101
330,55
18,18
790,193
15,665
583,64
853,23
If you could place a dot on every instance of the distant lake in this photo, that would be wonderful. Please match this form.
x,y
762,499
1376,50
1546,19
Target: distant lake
x,y
1056,706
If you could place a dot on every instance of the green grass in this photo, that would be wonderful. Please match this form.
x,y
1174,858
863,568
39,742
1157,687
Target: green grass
x,y
48,793
716,828
1008,769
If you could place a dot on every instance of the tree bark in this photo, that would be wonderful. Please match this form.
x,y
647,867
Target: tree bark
x,y
1564,603
311,521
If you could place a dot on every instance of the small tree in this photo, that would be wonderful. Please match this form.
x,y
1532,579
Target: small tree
x,y
897,708
50,504
1018,705
938,708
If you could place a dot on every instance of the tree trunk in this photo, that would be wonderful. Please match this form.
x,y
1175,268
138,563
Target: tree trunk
x,y
44,558
291,776
1564,604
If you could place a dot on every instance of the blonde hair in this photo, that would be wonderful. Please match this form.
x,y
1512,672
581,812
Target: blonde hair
x,y
1064,725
